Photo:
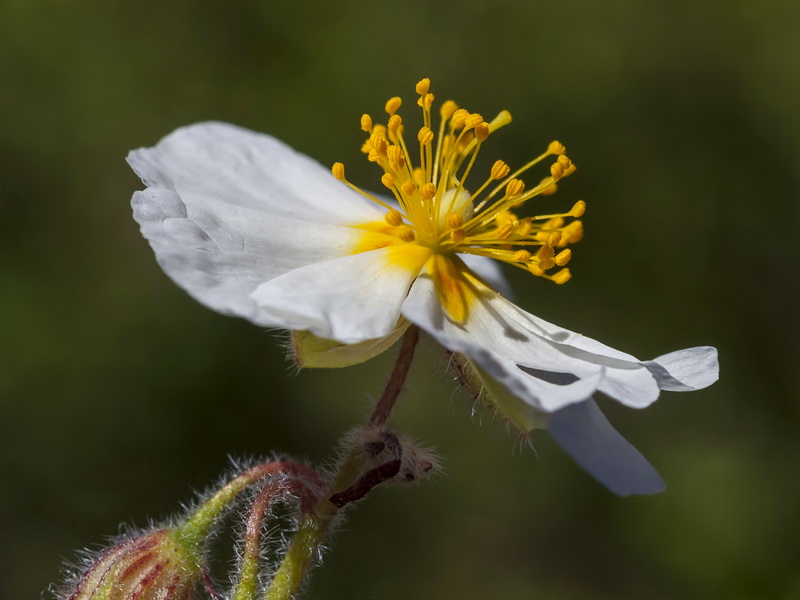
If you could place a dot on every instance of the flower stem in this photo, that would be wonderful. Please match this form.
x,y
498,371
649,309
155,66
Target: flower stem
x,y
397,379
315,524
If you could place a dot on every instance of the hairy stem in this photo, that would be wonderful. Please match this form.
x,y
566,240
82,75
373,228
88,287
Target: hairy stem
x,y
315,524
194,531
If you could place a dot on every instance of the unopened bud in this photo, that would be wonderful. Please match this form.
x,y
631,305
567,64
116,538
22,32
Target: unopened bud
x,y
155,565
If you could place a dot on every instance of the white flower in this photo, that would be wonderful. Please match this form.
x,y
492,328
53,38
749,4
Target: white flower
x,y
251,228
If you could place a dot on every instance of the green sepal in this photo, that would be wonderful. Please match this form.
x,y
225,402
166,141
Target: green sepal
x,y
519,414
311,351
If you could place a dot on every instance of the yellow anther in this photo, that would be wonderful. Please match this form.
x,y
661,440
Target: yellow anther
x,y
515,187
408,187
423,86
388,180
482,131
504,217
425,136
473,120
545,252
419,177
406,234
557,170
563,257
393,105
499,169
556,147
504,231
525,227
501,120
338,171
553,239
379,129
457,235
447,109
459,118
578,209
395,155
535,269
547,263
394,123
565,161
373,155
550,189
570,170
522,256
366,122
572,233
393,218
563,276
454,220
427,191
426,101
379,143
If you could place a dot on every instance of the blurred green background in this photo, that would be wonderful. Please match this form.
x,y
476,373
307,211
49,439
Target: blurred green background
x,y
121,395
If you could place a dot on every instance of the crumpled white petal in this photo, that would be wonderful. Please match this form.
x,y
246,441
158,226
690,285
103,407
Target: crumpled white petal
x,y
585,433
505,340
349,299
220,252
228,164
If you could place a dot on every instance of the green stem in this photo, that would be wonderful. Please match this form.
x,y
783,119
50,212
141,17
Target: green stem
x,y
194,531
314,526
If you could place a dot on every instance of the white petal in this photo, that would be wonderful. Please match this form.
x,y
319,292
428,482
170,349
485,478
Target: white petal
x,y
585,433
505,340
220,252
233,165
489,270
482,340
348,299
685,370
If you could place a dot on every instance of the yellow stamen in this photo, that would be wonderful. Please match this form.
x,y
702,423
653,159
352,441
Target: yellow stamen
x,y
393,105
500,169
393,218
562,277
407,234
440,211
454,220
447,110
549,190
522,256
515,187
425,136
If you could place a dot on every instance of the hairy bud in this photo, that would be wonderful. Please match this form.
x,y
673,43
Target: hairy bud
x,y
152,566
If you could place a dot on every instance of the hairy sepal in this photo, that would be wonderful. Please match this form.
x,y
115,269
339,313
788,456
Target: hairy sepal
x,y
311,351
517,413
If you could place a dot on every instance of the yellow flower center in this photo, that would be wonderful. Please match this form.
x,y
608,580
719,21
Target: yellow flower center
x,y
436,209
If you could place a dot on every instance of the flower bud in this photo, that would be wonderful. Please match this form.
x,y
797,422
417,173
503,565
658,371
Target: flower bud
x,y
152,566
